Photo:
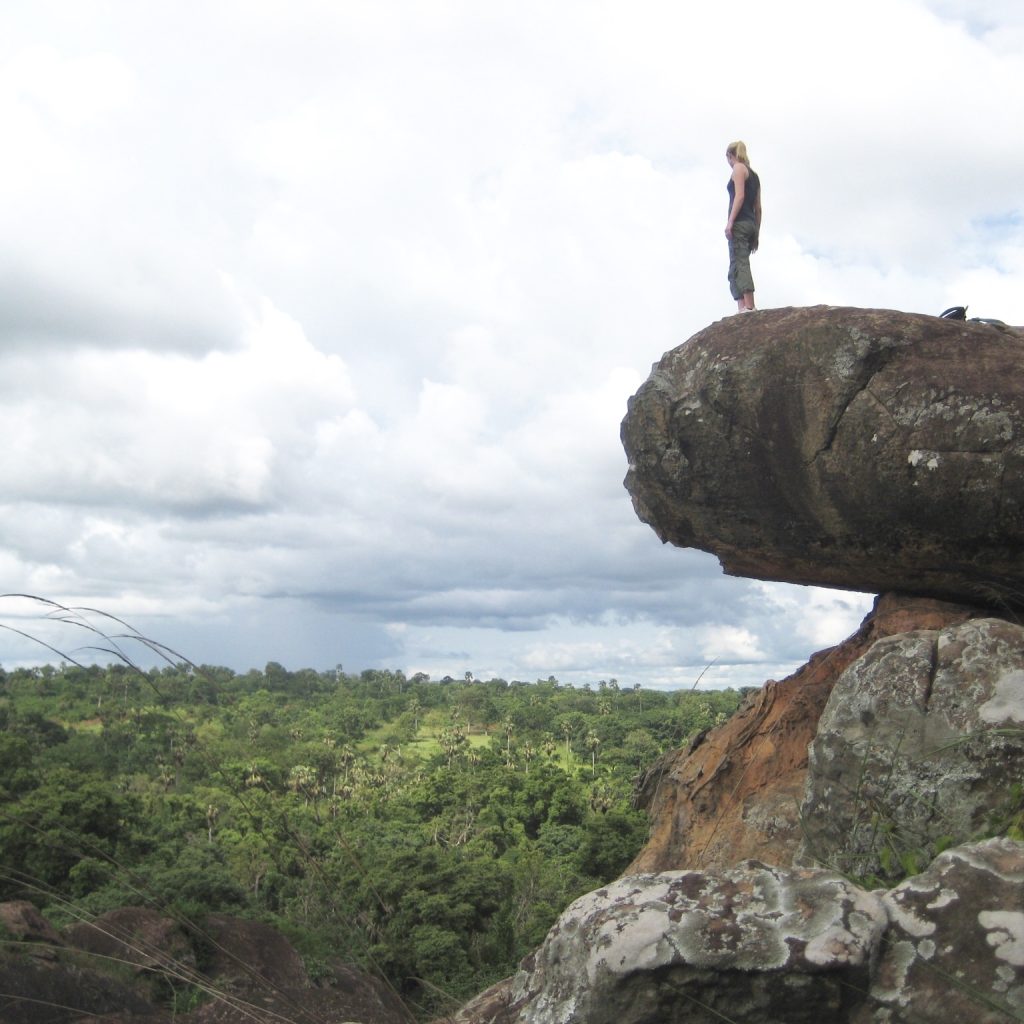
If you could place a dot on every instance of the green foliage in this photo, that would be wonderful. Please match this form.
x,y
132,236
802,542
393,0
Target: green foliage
x,y
198,876
53,825
610,842
429,831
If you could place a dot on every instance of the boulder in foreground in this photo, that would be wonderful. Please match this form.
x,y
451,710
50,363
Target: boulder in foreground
x,y
760,945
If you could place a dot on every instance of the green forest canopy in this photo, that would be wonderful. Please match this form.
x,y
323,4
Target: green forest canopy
x,y
428,831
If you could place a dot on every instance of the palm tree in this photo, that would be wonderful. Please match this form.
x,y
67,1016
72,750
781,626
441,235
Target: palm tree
x,y
593,743
510,727
567,731
346,757
452,740
302,779
415,708
212,814
601,798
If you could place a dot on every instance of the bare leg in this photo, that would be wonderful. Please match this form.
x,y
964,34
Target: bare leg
x,y
747,302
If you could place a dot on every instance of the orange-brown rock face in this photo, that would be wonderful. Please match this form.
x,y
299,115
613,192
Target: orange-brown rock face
x,y
735,792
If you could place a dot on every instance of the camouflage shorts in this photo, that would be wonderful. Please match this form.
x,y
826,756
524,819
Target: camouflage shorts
x,y
740,279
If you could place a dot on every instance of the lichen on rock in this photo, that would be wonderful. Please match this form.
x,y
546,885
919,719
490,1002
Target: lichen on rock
x,y
734,942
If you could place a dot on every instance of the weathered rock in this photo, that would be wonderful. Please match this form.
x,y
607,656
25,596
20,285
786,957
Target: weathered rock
x,y
866,449
955,948
244,953
735,792
492,1006
753,945
57,992
248,973
22,921
918,744
147,940
260,978
345,995
758,945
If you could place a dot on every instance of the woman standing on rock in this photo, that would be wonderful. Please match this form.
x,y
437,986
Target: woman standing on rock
x,y
744,224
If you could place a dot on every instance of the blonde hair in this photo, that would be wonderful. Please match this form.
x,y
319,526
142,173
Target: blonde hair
x,y
738,150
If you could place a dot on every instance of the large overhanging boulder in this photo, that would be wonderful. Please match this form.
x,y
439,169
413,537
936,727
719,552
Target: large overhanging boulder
x,y
866,449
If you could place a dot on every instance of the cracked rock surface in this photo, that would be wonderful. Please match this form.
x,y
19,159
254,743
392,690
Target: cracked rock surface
x,y
761,945
920,739
751,944
868,449
954,950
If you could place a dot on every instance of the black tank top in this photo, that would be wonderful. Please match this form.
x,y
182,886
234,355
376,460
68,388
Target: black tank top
x,y
750,193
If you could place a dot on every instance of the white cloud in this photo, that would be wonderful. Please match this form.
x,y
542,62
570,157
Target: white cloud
x,y
318,325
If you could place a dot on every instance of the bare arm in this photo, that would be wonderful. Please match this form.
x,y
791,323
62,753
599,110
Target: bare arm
x,y
739,182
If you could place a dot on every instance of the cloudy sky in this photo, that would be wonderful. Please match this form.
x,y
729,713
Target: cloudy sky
x,y
318,318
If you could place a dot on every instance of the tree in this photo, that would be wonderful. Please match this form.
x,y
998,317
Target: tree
x,y
415,708
571,725
212,814
509,727
639,748
567,729
452,740
248,854
52,827
593,742
346,758
610,842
